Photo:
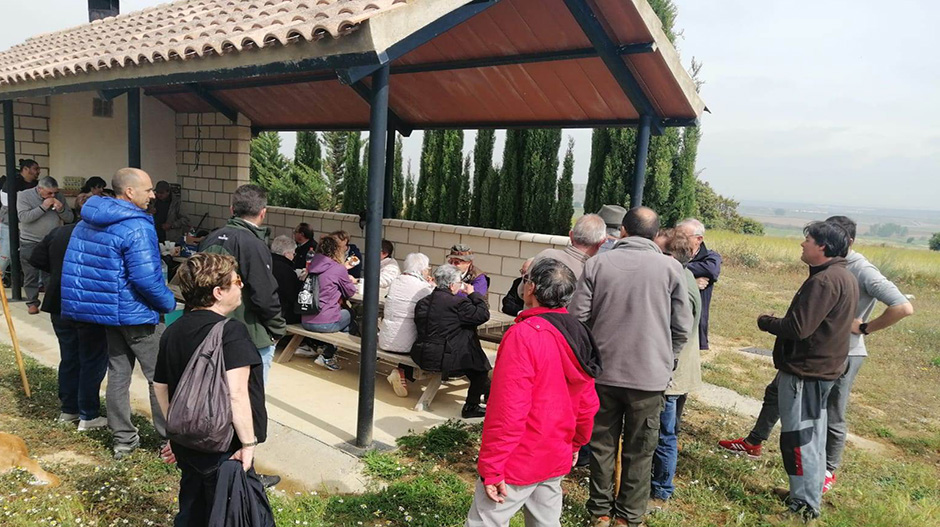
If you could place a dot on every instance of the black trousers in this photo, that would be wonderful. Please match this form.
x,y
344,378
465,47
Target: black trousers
x,y
479,386
200,473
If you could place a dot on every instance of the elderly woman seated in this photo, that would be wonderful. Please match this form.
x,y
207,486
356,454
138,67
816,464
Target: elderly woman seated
x,y
447,340
397,332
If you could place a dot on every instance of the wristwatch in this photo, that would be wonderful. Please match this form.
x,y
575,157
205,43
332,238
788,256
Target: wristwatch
x,y
863,328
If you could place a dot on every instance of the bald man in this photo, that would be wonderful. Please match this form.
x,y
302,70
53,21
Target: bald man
x,y
635,300
113,276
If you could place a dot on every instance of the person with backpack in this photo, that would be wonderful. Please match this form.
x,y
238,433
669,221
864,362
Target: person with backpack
x,y
212,290
334,284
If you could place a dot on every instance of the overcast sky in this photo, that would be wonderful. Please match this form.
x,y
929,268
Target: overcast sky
x,y
829,102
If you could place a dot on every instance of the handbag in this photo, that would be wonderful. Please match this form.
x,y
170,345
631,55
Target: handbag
x,y
308,299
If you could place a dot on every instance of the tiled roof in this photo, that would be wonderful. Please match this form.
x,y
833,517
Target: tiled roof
x,y
181,31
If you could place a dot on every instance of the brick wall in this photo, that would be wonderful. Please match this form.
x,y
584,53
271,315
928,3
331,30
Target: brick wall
x,y
499,253
212,160
31,131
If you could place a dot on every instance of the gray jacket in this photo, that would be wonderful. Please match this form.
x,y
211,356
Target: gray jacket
x,y
36,222
636,302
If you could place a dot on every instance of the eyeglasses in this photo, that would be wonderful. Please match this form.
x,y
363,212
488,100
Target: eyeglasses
x,y
525,278
237,282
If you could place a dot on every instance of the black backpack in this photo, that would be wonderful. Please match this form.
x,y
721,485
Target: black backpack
x,y
308,299
200,415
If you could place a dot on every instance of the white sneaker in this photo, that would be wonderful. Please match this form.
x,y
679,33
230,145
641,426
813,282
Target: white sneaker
x,y
329,364
305,352
67,418
398,382
98,422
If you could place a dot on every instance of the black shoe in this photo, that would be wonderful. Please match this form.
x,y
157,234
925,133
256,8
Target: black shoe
x,y
472,411
269,481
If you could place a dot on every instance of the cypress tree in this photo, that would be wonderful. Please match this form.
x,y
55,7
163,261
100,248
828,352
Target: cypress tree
x,y
398,181
354,184
683,196
600,149
463,202
541,177
307,151
659,164
489,205
409,204
334,166
419,211
265,157
564,206
512,181
482,165
451,175
435,174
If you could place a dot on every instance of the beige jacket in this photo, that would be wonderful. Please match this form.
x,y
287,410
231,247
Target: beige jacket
x,y
688,375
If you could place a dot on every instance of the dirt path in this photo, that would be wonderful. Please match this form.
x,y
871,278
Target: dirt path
x,y
733,401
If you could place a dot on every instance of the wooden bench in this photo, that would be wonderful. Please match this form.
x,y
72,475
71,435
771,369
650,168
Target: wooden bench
x,y
347,342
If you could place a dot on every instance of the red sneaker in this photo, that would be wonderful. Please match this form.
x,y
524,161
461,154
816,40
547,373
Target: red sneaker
x,y
830,481
740,446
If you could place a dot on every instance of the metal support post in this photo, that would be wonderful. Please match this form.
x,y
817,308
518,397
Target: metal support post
x,y
13,221
389,209
642,150
378,136
133,128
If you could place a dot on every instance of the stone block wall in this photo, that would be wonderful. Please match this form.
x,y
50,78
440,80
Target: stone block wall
x,y
498,253
212,160
31,131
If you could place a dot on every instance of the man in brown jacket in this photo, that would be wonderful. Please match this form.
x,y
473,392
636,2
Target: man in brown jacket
x,y
635,300
810,353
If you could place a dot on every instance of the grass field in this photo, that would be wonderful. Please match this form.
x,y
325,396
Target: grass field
x,y
428,481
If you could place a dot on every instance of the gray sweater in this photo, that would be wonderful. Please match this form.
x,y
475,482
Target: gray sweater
x,y
636,302
872,287
36,222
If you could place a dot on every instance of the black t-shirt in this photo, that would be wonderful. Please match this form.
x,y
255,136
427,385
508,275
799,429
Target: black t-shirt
x,y
179,343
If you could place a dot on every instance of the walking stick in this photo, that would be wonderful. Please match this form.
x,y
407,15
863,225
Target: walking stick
x,y
16,342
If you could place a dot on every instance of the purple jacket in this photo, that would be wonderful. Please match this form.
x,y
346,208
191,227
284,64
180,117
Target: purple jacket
x,y
334,284
480,285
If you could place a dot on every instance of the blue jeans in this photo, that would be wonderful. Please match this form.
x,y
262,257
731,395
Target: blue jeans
x,y
267,357
83,349
4,247
667,452
345,317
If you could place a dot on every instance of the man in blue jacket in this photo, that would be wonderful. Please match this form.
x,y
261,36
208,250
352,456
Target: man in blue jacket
x,y
113,276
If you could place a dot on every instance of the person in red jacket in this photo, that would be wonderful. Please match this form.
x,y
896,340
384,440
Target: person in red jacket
x,y
541,406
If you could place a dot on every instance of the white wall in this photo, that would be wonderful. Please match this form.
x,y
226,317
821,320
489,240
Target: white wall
x,y
85,146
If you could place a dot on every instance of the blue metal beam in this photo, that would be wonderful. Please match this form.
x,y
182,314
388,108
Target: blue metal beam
x,y
642,152
609,53
13,221
508,125
416,39
394,120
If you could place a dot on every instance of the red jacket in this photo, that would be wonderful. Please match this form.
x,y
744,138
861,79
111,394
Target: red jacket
x,y
541,405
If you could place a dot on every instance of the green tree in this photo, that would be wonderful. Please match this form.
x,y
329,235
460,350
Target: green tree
x,y
266,160
600,149
398,181
541,179
489,206
682,197
409,204
660,161
434,173
463,202
512,181
354,198
451,176
420,210
334,167
934,242
564,208
482,168
307,151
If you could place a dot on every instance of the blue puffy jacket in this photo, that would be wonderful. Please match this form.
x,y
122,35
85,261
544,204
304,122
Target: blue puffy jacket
x,y
112,273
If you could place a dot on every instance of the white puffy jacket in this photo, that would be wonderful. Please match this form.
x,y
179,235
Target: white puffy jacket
x,y
388,271
397,332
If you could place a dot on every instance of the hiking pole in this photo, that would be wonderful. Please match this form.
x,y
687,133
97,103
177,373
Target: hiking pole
x,y
16,342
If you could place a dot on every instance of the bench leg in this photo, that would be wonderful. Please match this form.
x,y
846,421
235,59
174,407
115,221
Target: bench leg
x,y
290,349
424,403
